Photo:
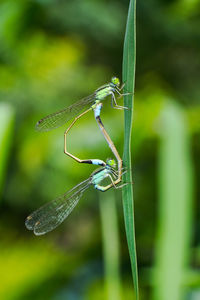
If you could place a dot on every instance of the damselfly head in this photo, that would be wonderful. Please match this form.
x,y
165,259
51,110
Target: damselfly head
x,y
111,163
115,81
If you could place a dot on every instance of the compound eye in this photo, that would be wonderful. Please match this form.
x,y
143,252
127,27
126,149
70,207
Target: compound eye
x,y
111,162
115,81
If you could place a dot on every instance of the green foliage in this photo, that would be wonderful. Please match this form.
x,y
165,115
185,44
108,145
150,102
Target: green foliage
x,y
175,179
110,237
52,53
6,138
28,264
127,192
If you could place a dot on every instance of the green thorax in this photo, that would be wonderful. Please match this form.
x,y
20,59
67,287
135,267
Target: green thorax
x,y
101,173
104,91
107,89
98,176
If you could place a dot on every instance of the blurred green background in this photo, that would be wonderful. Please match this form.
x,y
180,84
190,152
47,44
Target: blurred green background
x,y
52,53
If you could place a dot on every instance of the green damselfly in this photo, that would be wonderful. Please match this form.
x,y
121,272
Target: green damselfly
x,y
94,102
52,214
61,117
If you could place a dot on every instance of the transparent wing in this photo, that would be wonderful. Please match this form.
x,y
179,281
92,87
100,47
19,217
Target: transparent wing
x,y
59,118
52,214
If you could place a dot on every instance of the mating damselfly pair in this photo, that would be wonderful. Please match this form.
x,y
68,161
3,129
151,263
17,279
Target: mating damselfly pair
x,y
52,214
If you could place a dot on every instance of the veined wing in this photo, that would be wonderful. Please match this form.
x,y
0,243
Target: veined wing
x,y
59,118
52,214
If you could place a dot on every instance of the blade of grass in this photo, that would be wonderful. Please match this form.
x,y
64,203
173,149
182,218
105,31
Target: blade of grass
x,y
176,196
127,192
6,132
110,233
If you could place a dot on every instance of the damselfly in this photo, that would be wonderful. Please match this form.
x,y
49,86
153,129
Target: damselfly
x,y
94,102
52,214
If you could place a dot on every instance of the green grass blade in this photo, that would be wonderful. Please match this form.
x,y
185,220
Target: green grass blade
x,y
6,132
127,192
176,197
110,234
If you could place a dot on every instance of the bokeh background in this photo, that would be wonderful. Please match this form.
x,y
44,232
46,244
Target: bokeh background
x,y
53,53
